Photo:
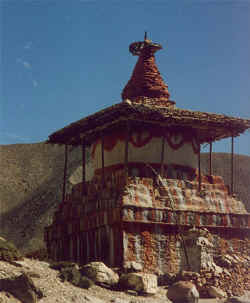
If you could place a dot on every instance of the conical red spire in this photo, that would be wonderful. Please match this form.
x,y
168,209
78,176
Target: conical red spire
x,y
146,84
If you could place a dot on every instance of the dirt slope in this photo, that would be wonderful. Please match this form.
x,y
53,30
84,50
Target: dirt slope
x,y
31,182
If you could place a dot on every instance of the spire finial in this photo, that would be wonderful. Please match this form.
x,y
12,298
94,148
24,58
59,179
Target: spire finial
x,y
145,36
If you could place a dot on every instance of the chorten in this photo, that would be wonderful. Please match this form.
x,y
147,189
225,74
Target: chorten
x,y
142,187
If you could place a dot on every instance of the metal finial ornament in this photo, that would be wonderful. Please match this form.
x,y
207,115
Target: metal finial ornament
x,y
137,48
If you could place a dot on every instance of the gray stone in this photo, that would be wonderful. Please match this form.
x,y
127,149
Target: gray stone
x,y
141,282
237,300
216,292
166,279
183,292
100,273
21,287
71,274
187,275
119,300
132,266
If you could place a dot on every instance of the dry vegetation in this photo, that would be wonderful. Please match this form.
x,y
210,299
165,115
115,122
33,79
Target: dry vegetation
x,y
31,182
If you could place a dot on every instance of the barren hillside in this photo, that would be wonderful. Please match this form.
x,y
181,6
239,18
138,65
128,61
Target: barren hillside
x,y
31,181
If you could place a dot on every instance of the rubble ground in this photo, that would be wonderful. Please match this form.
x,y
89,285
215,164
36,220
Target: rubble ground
x,y
54,290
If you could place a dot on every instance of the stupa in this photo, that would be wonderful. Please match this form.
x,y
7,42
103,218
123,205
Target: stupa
x,y
142,187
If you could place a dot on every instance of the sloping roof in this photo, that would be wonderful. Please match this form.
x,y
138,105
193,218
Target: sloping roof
x,y
208,127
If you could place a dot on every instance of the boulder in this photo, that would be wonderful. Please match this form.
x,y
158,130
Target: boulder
x,y
216,292
237,300
85,282
21,287
132,266
187,275
71,274
183,292
8,251
100,273
166,279
141,282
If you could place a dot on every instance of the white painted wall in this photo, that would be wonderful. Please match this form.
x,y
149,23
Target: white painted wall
x,y
151,152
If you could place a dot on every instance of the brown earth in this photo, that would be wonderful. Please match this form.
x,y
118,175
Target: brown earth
x,y
31,182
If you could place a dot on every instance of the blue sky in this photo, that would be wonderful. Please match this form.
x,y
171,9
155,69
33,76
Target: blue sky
x,y
63,60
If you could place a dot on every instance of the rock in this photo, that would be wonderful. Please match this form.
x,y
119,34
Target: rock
x,y
141,282
183,292
8,251
90,299
132,266
62,264
187,275
21,287
224,261
166,279
85,283
237,300
118,300
100,273
71,274
216,292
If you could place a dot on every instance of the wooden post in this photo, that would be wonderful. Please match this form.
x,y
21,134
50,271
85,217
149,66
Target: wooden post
x,y
199,166
232,165
162,155
83,167
65,172
103,173
126,149
210,158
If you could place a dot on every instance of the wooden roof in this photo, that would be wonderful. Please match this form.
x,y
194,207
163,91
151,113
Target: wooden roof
x,y
208,126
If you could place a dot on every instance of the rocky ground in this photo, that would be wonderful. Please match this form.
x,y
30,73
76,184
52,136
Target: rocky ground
x,y
51,288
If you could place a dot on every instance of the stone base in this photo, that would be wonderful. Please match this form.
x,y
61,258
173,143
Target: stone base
x,y
139,220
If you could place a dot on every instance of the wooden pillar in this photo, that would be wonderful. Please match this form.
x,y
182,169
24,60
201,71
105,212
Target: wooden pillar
x,y
83,167
210,158
126,149
103,173
232,165
162,155
199,167
65,172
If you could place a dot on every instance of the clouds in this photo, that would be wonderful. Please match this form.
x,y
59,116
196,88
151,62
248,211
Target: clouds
x,y
28,45
27,65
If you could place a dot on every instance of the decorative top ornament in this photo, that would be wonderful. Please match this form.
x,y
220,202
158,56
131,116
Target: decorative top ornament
x,y
147,46
146,84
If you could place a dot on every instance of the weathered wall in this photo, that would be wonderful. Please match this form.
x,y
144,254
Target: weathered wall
x,y
160,248
133,219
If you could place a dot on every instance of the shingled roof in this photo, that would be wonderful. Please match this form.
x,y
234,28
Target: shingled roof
x,y
208,127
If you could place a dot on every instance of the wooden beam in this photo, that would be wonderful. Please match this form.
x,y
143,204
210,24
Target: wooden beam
x,y
65,172
232,165
103,172
210,158
199,167
162,155
83,167
126,149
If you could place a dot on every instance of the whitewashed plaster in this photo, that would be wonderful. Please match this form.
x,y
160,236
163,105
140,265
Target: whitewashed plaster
x,y
149,153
